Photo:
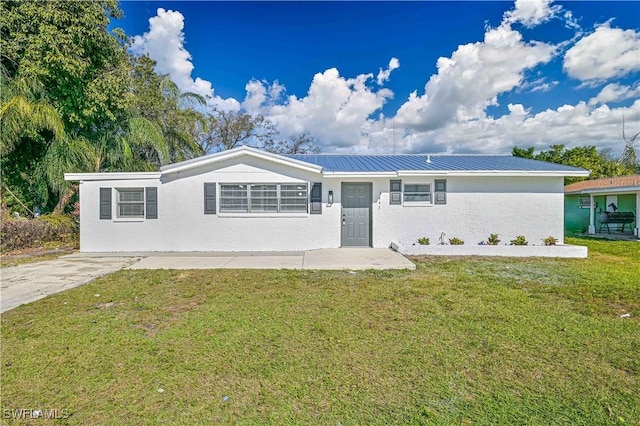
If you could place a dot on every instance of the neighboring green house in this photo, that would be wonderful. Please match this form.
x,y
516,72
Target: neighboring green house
x,y
584,203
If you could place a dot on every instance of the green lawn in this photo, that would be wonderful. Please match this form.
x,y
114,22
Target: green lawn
x,y
458,341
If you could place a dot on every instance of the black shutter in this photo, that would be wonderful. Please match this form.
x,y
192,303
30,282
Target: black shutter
x,y
441,191
151,209
316,198
105,203
209,198
395,191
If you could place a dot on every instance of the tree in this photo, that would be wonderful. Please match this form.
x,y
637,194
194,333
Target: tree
x,y
524,153
66,47
230,129
67,81
159,100
73,99
629,157
304,143
599,163
24,109
33,143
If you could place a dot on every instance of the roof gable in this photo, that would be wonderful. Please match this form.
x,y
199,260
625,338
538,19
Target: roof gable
x,y
235,153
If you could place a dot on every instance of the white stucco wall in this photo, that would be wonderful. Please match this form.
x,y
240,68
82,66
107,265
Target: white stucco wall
x,y
476,207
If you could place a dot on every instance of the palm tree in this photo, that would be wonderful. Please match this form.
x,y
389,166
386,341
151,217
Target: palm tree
x,y
24,110
181,120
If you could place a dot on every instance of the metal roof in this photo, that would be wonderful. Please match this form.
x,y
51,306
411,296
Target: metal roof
x,y
438,163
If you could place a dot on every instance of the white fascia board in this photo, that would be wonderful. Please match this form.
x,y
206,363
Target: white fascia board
x,y
238,152
358,174
523,173
603,191
421,172
511,173
111,176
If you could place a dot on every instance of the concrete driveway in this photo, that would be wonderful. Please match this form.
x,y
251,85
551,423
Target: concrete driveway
x,y
32,281
29,282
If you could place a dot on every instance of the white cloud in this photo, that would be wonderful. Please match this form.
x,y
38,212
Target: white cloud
x,y
336,109
570,125
472,78
164,43
384,75
451,115
615,92
532,12
261,94
606,53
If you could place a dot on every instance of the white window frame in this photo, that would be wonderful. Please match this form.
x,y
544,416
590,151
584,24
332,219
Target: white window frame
x,y
120,202
582,204
248,206
429,192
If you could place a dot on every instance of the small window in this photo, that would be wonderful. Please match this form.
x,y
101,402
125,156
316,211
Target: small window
x,y
395,191
585,201
420,193
131,202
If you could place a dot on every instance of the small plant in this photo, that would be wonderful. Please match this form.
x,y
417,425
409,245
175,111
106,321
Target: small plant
x,y
424,241
519,241
550,241
493,240
456,241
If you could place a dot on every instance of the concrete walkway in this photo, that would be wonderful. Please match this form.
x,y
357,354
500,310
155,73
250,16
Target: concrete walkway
x,y
29,282
342,258
32,281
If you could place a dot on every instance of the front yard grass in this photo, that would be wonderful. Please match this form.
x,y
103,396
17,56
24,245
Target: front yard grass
x,y
458,341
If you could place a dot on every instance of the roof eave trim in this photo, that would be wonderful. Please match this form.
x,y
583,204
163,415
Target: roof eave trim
x,y
634,188
526,173
111,176
358,174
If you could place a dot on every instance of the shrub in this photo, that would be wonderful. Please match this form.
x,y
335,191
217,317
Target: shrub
x,y
550,241
493,240
456,241
519,241
18,233
424,241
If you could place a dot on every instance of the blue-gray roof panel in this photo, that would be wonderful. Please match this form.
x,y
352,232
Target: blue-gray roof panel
x,y
391,163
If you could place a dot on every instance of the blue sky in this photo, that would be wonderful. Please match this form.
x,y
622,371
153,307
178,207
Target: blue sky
x,y
433,76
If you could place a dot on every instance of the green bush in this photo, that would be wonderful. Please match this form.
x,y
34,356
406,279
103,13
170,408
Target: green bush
x,y
493,240
424,241
456,241
519,241
550,241
19,233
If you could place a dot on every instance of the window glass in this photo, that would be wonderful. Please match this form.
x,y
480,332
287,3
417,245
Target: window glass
x,y
264,198
131,202
417,192
293,198
233,198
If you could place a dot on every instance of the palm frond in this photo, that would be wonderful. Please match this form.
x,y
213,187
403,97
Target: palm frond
x,y
67,155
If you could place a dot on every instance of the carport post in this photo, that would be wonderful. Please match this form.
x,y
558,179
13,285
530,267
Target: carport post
x,y
592,227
